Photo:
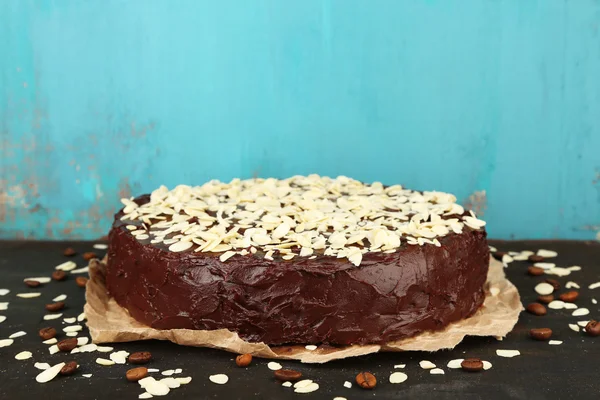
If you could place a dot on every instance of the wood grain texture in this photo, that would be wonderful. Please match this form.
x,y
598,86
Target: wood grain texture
x,y
103,99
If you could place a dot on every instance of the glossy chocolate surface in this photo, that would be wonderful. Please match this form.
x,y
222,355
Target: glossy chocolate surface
x,y
389,296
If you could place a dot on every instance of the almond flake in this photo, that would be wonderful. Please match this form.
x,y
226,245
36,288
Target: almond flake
x,y
50,341
2,318
310,347
29,295
4,292
546,253
287,384
145,395
104,361
66,266
274,366
574,327
582,324
49,317
6,342
437,371
86,375
455,364
83,270
594,285
219,379
70,320
508,353
400,366
38,279
184,381
41,366
308,388
571,285
227,255
426,364
61,297
53,349
49,374
100,246
17,334
580,312
544,288
24,355
72,328
555,342
180,246
104,349
486,365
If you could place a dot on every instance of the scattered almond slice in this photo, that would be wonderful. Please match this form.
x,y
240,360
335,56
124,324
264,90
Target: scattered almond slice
x,y
82,341
508,353
487,365
594,301
153,370
24,355
574,268
70,320
555,342
347,384
546,253
558,271
172,383
3,306
66,266
50,373
544,288
437,371
81,317
556,305
219,379
544,265
17,334
87,375
104,361
398,377
178,371
91,347
61,297
571,285
287,384
308,388
274,366
104,349
302,383
574,327
310,347
83,270
582,324
49,317
455,364
492,249
6,342
72,334
185,380
570,306
53,349
580,312
30,295
119,357
50,341
72,328
4,292
100,246
2,318
40,279
400,366
145,395
42,366
426,364
168,372
594,285
156,388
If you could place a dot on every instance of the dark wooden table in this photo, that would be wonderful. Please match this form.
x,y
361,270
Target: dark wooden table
x,y
541,372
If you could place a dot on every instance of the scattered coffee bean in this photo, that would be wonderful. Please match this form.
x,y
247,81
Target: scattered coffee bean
x,y
243,360
593,328
287,375
535,271
59,275
536,309
555,284
535,258
135,374
140,357
540,333
499,254
89,255
546,299
69,368
53,307
47,333
472,364
569,297
81,281
366,380
32,283
67,344
69,252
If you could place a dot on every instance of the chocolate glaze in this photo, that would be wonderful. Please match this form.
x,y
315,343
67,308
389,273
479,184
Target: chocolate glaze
x,y
324,300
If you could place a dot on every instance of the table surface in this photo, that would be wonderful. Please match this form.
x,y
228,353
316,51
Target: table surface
x,y
540,372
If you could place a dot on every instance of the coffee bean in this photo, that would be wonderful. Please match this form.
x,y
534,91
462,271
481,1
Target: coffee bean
x,y
569,297
67,344
535,258
366,380
536,309
140,357
53,307
472,364
89,255
499,254
540,333
593,328
535,271
555,284
81,281
47,333
69,368
69,252
243,360
32,284
59,275
135,374
545,298
288,375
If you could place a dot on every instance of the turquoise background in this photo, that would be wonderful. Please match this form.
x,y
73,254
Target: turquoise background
x,y
102,98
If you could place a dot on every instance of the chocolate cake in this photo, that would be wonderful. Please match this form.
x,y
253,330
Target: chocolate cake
x,y
304,260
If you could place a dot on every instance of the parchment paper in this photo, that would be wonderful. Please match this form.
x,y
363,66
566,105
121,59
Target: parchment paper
x,y
109,322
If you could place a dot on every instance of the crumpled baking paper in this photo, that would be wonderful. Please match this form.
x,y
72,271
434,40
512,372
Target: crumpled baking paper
x,y
108,322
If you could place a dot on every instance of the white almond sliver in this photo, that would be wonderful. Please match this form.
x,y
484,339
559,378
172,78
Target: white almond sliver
x,y
89,348
53,349
29,295
398,377
2,318
4,292
66,266
172,383
104,361
178,371
456,363
570,306
556,305
81,317
6,342
437,371
168,372
274,366
492,249
544,288
4,306
594,301
572,285
487,365
81,270
157,388
72,328
546,253
145,395
100,246
180,246
82,341
508,353
555,342
219,379
106,349
41,366
87,375
49,374
580,312
544,265
287,384
426,364
185,380
61,297
17,334
50,341
303,383
310,347
227,255
307,389
400,366
583,324
71,334
24,355
574,327
151,369
594,285
70,320
49,317
40,279
574,268
119,357
347,384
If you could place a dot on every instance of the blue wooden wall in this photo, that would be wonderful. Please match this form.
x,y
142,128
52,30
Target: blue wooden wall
x,y
102,98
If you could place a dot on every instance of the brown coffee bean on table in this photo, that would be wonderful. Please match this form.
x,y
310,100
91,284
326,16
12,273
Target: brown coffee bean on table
x,y
547,298
569,297
135,374
59,275
535,271
287,375
47,333
89,255
243,360
555,284
535,258
540,333
81,281
140,357
593,328
69,368
536,309
472,364
53,307
366,380
69,252
67,344
32,284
